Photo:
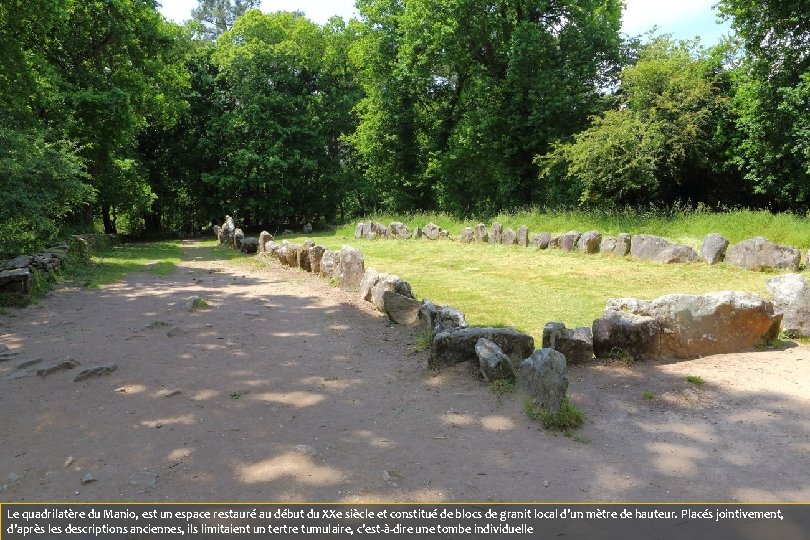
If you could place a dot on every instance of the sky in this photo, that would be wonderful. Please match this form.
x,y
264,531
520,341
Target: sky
x,y
684,19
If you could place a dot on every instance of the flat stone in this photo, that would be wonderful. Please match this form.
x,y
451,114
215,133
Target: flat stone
x,y
176,331
251,313
760,254
95,371
144,479
59,365
88,478
492,361
450,348
401,309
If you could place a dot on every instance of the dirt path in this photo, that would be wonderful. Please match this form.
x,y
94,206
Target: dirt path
x,y
289,390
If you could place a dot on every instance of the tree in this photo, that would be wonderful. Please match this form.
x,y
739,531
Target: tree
x,y
461,95
667,140
215,17
773,99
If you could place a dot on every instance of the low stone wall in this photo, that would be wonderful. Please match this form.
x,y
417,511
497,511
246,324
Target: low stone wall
x,y
18,275
754,254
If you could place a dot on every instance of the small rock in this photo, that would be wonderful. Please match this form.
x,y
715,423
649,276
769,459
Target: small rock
x,y
69,461
172,393
306,450
87,478
29,363
545,483
95,371
176,331
13,477
143,479
251,313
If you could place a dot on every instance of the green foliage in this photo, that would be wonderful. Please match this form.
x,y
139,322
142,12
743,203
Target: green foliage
x,y
41,183
212,18
647,394
200,303
664,143
695,379
422,340
569,418
502,387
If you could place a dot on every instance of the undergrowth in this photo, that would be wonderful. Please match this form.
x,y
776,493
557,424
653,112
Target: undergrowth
x,y
569,418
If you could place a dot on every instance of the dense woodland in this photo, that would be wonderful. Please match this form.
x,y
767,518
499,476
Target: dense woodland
x,y
109,114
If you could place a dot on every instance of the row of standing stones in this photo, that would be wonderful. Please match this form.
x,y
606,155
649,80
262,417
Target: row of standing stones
x,y
754,254
672,326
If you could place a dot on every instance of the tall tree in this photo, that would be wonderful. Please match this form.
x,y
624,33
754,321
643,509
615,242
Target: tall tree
x,y
215,17
774,97
462,94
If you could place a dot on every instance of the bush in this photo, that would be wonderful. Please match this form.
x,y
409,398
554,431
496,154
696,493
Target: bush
x,y
569,417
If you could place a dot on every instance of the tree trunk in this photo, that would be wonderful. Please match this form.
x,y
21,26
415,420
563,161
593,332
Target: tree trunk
x,y
109,224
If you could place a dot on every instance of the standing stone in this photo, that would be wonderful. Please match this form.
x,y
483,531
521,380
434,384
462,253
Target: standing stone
x,y
271,247
714,248
392,283
250,245
439,319
648,246
264,237
608,244
481,235
467,235
303,259
496,235
589,242
399,231
450,348
544,377
216,231
576,344
417,233
307,228
791,297
360,230
401,309
431,231
329,262
315,256
493,362
379,230
367,282
238,236
554,241
351,268
509,238
678,253
760,254
523,236
623,244
569,240
541,240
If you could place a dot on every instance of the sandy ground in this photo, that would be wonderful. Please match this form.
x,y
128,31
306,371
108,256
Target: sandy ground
x,y
287,389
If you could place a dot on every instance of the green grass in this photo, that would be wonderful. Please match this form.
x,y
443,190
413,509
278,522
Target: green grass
x,y
158,258
695,379
200,303
525,288
648,395
569,418
502,387
422,340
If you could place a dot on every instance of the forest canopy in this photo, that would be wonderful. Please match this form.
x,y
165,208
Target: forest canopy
x,y
112,115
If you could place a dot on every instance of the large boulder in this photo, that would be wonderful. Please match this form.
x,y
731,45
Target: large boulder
x,y
540,240
379,230
450,348
303,258
576,344
623,244
392,283
290,252
401,309
434,232
329,262
467,236
568,241
367,282
264,237
315,256
250,245
589,242
544,377
351,268
554,241
713,249
271,247
307,228
685,325
494,364
496,234
648,246
481,235
16,280
399,231
760,254
440,319
360,229
791,298
23,261
678,253
509,237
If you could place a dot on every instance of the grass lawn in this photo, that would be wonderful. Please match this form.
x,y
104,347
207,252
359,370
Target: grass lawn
x,y
159,258
525,287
